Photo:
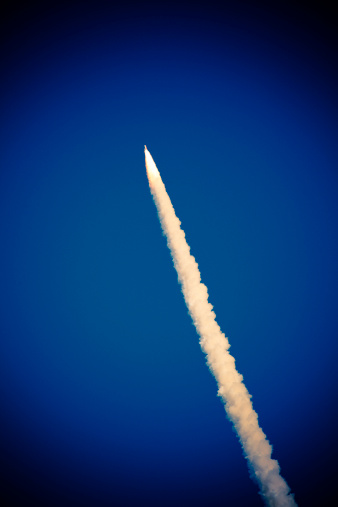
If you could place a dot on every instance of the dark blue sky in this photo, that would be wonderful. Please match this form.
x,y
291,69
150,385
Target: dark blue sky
x,y
105,395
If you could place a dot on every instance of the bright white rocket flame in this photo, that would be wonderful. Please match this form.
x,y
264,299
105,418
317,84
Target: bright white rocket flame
x,y
152,171
232,390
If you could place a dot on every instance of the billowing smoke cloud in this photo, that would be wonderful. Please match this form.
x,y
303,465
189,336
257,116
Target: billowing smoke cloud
x,y
257,449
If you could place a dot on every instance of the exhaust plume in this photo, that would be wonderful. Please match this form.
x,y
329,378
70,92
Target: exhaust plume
x,y
231,388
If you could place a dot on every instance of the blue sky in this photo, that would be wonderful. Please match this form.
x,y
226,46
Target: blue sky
x,y
106,397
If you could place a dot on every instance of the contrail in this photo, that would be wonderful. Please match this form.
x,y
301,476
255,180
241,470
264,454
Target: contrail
x,y
232,390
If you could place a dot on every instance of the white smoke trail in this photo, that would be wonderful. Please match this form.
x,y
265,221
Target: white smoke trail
x,y
238,406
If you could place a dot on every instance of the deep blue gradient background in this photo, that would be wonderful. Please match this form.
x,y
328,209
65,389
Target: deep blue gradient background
x,y
105,395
